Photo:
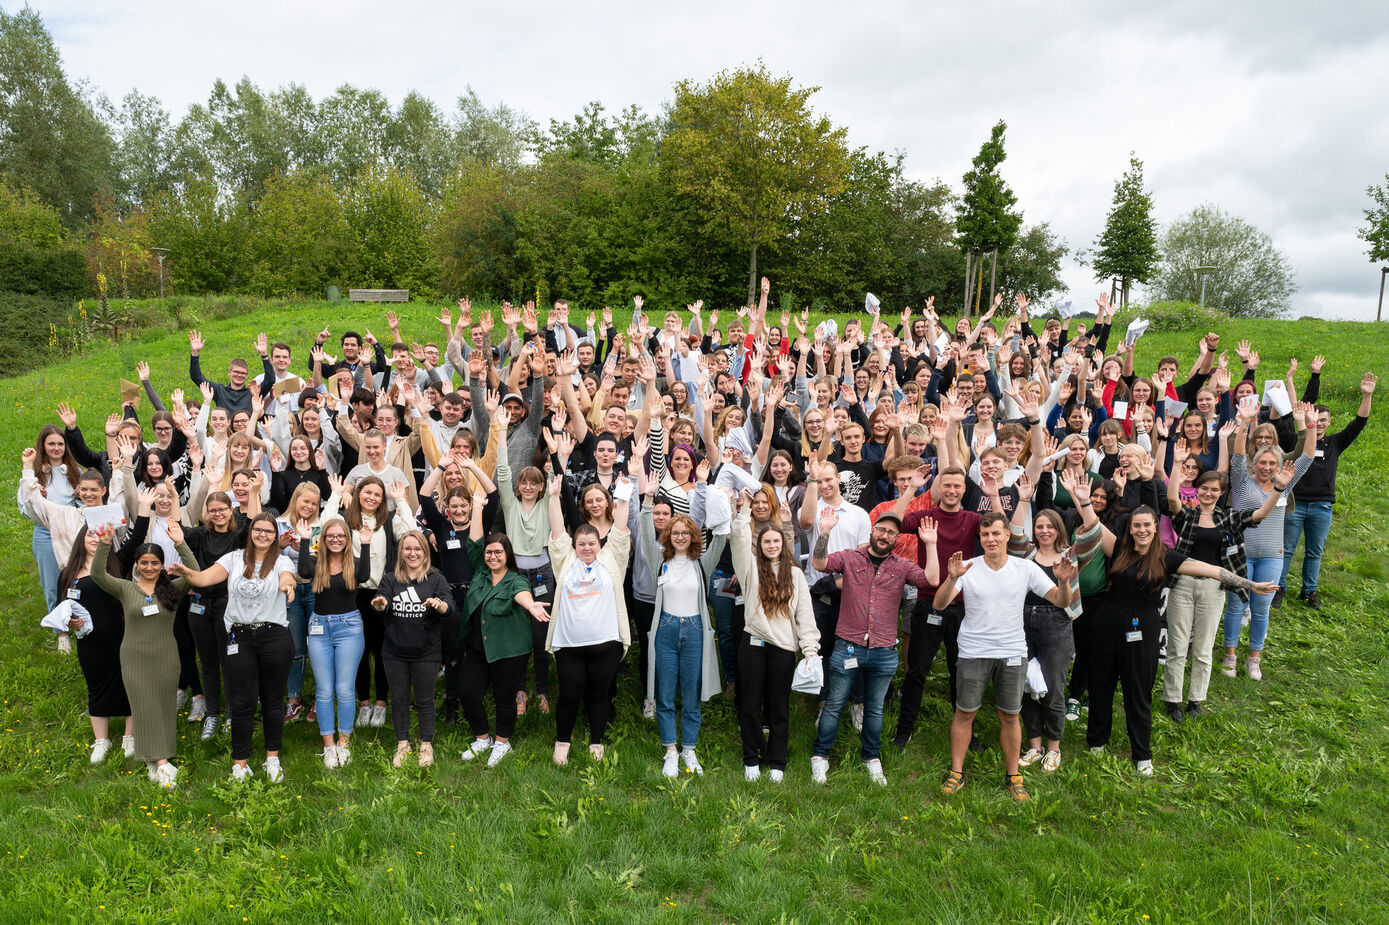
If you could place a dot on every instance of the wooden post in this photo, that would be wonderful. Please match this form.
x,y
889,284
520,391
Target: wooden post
x,y
993,276
969,278
1384,271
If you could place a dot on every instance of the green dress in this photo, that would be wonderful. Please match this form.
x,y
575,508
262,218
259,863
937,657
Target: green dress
x,y
149,658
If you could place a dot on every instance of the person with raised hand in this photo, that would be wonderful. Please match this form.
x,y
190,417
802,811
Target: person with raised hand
x,y
260,581
496,637
149,656
1124,651
235,395
588,633
57,474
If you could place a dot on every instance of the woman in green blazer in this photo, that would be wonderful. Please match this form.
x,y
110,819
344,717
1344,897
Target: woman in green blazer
x,y
495,637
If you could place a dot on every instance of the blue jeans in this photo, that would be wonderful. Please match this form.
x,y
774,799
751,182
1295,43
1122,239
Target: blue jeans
x,y
49,569
335,654
299,609
873,668
724,629
679,663
1312,519
1261,569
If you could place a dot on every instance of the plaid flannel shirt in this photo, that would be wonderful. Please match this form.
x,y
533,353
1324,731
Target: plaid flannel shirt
x,y
1231,524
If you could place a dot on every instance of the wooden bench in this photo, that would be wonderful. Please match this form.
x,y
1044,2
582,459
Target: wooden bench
x,y
378,295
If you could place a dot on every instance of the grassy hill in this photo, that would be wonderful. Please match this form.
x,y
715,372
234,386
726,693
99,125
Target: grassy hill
x,y
1272,807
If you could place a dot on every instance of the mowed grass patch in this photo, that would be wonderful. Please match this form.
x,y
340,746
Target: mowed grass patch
x,y
1270,808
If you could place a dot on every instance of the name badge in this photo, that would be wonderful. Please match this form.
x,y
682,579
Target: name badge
x,y
1321,454
233,648
934,619
73,594
150,610
758,643
316,629
453,544
197,608
1232,551
1134,636
738,599
1282,501
850,663
1015,661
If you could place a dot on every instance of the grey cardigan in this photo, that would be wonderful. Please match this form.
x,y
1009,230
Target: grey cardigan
x,y
709,673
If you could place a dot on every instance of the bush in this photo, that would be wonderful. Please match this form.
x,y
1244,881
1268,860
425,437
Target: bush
x,y
30,322
1173,316
60,272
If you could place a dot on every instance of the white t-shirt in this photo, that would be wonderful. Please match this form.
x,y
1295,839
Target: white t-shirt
x,y
586,608
993,623
254,599
852,531
679,580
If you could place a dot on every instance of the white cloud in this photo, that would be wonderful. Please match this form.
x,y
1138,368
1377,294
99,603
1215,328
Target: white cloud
x,y
1270,110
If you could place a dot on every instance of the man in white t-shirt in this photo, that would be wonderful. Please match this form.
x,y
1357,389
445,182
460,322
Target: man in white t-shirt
x,y
993,643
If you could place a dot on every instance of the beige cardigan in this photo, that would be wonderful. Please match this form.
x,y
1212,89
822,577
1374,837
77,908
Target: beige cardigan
x,y
63,522
798,632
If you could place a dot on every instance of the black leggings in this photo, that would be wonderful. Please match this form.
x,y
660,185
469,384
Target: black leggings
x,y
764,690
449,628
544,592
187,652
419,676
475,674
210,637
1083,630
586,674
374,629
258,671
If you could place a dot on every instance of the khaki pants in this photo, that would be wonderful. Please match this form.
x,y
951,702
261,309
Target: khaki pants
x,y
1194,608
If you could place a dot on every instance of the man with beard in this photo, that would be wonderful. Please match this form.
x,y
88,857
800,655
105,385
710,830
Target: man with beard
x,y
865,642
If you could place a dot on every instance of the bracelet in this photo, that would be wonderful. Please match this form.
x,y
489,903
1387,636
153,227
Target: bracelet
x,y
811,481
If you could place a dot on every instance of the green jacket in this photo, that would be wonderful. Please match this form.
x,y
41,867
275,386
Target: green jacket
x,y
506,625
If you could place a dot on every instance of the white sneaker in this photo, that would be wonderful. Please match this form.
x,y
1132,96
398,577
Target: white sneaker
x,y
875,771
273,772
671,766
166,775
819,769
378,716
241,772
180,699
128,746
856,716
364,715
199,709
775,776
344,756
1029,758
210,727
1144,768
648,708
1097,749
752,772
152,767
479,748
692,765
1051,762
499,751
100,749
65,643
330,756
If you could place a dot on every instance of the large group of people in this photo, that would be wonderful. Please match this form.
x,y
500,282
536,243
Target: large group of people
x,y
761,509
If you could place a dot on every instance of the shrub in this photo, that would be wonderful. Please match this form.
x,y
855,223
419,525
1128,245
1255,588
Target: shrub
x,y
60,272
35,326
1173,316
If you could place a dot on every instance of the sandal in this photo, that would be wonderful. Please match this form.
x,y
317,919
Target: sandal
x,y
544,703
521,703
596,752
401,751
954,782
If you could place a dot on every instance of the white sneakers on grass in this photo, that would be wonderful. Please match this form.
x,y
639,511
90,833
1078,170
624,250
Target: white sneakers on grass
x,y
1144,768
499,751
273,772
241,773
752,772
691,763
875,771
378,716
819,769
128,746
671,766
100,749
479,748
165,775
198,711
775,776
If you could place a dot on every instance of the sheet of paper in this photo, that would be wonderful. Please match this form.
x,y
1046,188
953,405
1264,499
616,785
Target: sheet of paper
x,y
1276,394
112,514
1135,330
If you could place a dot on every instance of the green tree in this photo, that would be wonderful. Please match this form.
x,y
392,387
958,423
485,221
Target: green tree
x,y
51,140
987,223
420,141
747,149
145,147
206,234
496,137
25,219
1254,278
1376,230
1033,264
392,222
1127,250
300,241
353,125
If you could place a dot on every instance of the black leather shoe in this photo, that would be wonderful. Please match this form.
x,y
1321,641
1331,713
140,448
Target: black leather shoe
x,y
1174,712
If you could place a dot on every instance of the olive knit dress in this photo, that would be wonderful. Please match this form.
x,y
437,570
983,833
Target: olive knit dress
x,y
149,658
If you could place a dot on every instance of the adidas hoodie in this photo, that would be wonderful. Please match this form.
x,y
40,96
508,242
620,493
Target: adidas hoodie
x,y
412,629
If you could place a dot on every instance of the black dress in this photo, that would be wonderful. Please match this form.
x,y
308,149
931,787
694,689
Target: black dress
x,y
99,652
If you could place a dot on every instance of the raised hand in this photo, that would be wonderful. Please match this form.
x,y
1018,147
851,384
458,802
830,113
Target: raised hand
x,y
1367,383
67,415
1066,569
1025,486
261,344
926,531
828,519
28,456
196,342
1318,362
397,491
958,566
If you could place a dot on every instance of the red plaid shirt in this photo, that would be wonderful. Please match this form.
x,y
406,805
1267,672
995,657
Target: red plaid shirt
x,y
872,597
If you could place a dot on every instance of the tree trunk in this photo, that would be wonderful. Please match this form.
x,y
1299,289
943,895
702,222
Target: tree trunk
x,y
969,279
993,276
752,276
1114,290
978,282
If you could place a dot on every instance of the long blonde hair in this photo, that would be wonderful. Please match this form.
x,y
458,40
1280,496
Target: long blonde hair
x,y
323,569
402,572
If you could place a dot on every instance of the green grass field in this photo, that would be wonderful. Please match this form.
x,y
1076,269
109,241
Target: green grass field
x,y
1272,807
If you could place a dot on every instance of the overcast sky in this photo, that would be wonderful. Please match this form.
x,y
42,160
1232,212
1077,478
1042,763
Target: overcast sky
x,y
1274,110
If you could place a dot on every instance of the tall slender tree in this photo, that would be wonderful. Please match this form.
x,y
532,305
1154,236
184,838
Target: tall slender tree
x,y
988,222
1127,251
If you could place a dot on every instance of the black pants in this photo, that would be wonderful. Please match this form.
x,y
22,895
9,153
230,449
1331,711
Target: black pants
x,y
1050,641
475,674
453,647
258,671
1083,630
586,675
374,629
764,691
187,652
1132,666
826,606
406,676
641,613
210,637
542,582
929,629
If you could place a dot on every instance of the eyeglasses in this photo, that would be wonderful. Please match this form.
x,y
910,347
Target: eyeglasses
x,y
887,531
218,511
334,538
494,552
264,531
